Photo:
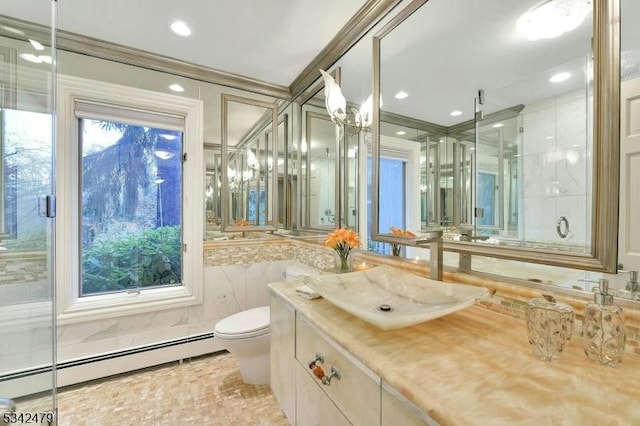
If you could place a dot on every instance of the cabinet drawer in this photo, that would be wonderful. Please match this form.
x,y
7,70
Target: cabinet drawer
x,y
356,393
313,406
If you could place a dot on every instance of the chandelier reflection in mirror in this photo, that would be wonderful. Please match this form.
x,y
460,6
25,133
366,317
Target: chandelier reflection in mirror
x,y
245,173
336,106
552,18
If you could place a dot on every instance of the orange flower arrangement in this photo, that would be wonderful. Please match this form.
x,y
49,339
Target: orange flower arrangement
x,y
242,222
395,248
342,241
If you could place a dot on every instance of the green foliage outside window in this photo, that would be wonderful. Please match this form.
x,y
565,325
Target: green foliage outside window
x,y
147,259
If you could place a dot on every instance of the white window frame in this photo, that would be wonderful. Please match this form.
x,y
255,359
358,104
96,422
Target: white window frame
x,y
71,308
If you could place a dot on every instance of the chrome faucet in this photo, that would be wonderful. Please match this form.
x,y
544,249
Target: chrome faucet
x,y
464,260
434,242
431,240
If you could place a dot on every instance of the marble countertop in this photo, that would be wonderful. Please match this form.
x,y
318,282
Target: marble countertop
x,y
476,367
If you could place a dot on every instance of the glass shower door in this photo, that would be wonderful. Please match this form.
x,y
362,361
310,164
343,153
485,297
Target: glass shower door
x,y
27,311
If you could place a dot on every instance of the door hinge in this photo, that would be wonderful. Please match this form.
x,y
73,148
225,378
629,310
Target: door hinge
x,y
184,248
184,157
47,206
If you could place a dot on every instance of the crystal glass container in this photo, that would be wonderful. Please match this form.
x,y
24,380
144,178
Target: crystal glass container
x,y
603,334
549,326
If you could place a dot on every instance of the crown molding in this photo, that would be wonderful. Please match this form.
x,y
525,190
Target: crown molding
x,y
94,47
349,35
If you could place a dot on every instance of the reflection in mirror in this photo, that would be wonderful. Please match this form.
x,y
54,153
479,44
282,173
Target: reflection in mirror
x,y
508,149
320,144
286,183
331,162
212,184
8,170
279,166
249,172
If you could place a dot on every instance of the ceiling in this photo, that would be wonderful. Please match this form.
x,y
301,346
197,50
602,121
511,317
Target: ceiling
x,y
440,56
250,38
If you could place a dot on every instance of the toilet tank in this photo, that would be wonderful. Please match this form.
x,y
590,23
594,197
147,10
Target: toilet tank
x,y
293,272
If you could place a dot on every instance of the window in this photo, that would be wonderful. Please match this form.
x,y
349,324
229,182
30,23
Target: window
x,y
128,177
131,206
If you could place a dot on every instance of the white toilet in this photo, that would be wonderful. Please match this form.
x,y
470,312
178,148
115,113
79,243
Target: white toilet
x,y
247,335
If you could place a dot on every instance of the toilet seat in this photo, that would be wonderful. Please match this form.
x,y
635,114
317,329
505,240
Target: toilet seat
x,y
243,325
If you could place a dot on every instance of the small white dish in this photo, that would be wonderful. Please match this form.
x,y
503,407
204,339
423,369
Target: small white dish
x,y
306,292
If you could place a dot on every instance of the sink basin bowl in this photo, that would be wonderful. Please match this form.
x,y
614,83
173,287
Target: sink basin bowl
x,y
391,298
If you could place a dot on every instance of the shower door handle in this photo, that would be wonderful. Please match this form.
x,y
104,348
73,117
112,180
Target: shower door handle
x,y
562,227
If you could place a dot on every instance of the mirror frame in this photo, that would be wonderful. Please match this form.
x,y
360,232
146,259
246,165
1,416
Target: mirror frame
x,y
606,152
226,99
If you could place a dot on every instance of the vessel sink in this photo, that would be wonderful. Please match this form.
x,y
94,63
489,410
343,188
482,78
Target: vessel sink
x,y
392,298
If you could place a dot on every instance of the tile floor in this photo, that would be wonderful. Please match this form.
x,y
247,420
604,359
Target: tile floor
x,y
206,390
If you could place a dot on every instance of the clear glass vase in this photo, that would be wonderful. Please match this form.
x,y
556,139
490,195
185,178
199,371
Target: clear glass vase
x,y
342,262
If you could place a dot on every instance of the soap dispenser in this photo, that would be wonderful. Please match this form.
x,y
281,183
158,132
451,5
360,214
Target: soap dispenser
x,y
603,328
632,284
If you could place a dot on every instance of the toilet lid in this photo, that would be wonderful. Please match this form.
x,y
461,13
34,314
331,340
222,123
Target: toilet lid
x,y
250,321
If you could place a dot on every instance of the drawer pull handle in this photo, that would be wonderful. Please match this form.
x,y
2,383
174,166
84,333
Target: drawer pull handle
x,y
318,372
334,373
319,360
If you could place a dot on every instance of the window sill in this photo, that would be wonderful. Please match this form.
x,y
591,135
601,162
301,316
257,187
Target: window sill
x,y
108,306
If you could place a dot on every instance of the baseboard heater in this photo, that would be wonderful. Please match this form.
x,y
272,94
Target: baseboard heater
x,y
204,343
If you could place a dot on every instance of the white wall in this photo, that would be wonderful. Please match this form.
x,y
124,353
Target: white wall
x,y
556,169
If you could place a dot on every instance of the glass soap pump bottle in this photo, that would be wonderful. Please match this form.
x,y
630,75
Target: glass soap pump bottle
x,y
603,328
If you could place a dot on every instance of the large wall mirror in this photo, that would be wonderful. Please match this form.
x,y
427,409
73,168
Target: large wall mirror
x,y
250,164
330,161
516,122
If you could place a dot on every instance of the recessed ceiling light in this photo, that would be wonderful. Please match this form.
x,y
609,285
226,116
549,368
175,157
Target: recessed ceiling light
x,y
36,45
180,28
45,58
176,87
455,113
401,133
31,58
549,138
560,77
401,95
497,125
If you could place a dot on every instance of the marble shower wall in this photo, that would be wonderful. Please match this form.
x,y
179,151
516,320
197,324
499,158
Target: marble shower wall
x,y
556,168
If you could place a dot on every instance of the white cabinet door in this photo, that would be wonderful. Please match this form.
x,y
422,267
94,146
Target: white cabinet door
x,y
629,235
283,381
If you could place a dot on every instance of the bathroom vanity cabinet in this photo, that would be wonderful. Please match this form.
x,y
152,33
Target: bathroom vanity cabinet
x,y
472,367
347,393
